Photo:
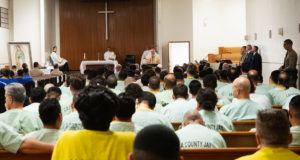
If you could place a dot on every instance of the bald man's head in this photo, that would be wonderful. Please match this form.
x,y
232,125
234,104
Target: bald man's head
x,y
253,76
128,81
241,87
169,81
192,117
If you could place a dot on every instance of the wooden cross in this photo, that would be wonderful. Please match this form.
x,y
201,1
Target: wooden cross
x,y
106,12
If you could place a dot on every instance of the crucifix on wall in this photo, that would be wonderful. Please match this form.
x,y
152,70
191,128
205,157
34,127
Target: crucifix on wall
x,y
106,12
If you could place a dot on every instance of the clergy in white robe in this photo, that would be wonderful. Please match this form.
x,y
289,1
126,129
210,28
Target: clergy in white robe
x,y
152,58
109,55
195,135
57,59
145,54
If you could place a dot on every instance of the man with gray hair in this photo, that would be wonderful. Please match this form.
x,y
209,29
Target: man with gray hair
x,y
194,134
241,108
22,121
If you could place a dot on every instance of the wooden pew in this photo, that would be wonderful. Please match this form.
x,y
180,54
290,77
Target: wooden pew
x,y
223,154
176,125
4,155
277,106
244,125
239,139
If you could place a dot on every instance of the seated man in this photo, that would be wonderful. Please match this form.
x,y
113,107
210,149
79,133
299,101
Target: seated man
x,y
191,72
258,98
165,97
56,71
37,95
154,86
16,143
112,82
222,79
145,79
243,107
152,58
36,72
210,81
51,117
54,92
195,135
283,84
156,142
294,115
22,121
62,63
122,120
207,100
176,110
273,83
96,107
145,116
194,87
227,91
273,136
77,83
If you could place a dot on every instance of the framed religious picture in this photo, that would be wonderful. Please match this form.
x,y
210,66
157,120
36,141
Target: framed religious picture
x,y
19,53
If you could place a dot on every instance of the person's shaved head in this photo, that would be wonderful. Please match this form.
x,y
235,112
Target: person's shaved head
x,y
128,81
192,116
241,87
169,81
294,110
154,83
253,76
112,81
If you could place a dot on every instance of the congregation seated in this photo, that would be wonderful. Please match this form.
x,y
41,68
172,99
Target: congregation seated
x,y
174,111
122,76
242,108
294,116
37,95
273,136
207,99
179,78
145,114
156,142
283,81
165,97
273,83
96,106
194,134
50,114
194,87
123,119
56,71
36,72
20,120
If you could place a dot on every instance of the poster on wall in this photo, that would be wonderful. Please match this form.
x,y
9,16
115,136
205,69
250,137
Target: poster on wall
x,y
179,53
19,53
3,17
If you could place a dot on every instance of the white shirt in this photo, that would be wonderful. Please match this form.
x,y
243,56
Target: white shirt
x,y
33,107
109,56
57,59
193,102
262,100
143,59
198,136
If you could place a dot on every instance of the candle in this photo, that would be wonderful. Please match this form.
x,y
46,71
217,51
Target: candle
x,y
98,56
84,56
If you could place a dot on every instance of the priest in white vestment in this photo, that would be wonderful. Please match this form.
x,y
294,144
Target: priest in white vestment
x,y
145,54
109,55
152,58
56,59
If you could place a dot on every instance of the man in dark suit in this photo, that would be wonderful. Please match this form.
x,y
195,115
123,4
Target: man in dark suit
x,y
249,54
256,62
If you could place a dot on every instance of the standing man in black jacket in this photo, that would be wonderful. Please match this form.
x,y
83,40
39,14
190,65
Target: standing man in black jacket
x,y
256,62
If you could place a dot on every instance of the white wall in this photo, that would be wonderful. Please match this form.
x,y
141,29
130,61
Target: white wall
x,y
4,38
174,22
27,26
218,23
265,15
50,26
